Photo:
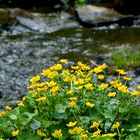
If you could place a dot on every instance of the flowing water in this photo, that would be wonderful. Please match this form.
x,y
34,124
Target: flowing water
x,y
25,54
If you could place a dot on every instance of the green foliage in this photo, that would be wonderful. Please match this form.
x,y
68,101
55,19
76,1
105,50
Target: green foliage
x,y
74,102
75,3
126,58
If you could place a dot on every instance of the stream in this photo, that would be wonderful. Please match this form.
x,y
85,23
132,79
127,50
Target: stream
x,y
24,53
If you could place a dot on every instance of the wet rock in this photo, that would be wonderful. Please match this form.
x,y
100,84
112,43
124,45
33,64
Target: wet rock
x,y
95,16
137,71
26,19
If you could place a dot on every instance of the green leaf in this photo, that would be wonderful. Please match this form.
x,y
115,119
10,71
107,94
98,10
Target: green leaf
x,y
35,124
14,114
26,117
28,136
60,108
46,123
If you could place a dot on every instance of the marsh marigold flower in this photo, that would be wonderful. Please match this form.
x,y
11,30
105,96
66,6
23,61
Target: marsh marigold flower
x,y
95,125
41,99
96,133
121,71
127,78
111,94
57,133
15,133
103,85
71,124
89,104
8,108
109,135
135,92
101,76
2,114
116,125
40,133
75,130
63,60
73,99
89,86
35,79
70,92
21,104
79,87
56,67
72,104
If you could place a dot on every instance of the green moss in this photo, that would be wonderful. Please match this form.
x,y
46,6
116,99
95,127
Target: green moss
x,y
126,58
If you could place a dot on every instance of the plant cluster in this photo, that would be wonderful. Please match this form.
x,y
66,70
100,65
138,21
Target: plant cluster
x,y
74,102
126,58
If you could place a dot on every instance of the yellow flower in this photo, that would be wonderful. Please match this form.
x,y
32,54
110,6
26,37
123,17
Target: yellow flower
x,y
72,104
34,92
15,133
101,76
138,86
32,86
75,130
96,133
47,139
114,82
83,66
56,67
135,92
2,114
70,92
21,104
35,79
95,125
57,133
97,70
63,60
103,85
80,81
41,89
123,89
109,135
116,125
51,84
69,78
54,90
89,104
84,137
75,67
41,99
111,94
8,108
79,87
24,98
121,71
46,72
73,99
40,133
127,78
71,124
89,86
